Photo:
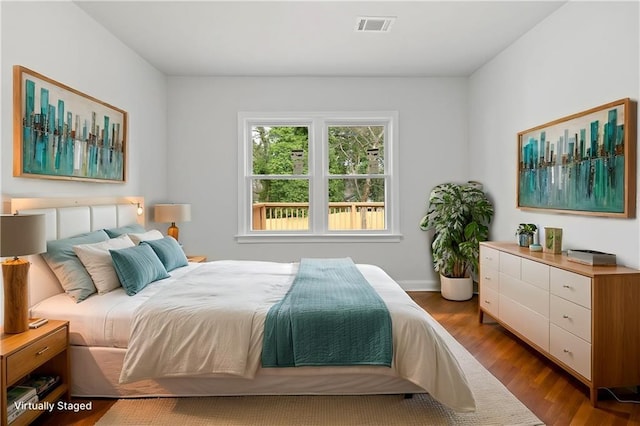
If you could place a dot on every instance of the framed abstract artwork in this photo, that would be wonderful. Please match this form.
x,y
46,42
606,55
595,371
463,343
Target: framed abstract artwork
x,y
61,133
584,163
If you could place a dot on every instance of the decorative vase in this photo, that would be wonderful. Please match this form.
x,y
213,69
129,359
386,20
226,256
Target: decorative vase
x,y
457,289
525,240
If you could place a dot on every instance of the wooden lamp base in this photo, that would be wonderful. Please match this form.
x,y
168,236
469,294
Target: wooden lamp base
x,y
15,273
173,231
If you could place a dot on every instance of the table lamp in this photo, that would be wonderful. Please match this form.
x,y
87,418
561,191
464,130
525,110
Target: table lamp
x,y
172,213
20,235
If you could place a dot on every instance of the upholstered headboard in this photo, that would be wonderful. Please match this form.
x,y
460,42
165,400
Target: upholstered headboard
x,y
68,217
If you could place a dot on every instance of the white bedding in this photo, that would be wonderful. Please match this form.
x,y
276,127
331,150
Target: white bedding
x,y
212,325
102,320
421,355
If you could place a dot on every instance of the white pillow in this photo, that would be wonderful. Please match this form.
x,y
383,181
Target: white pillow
x,y
154,234
97,261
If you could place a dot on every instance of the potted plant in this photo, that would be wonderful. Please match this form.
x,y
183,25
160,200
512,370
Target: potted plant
x,y
525,233
459,215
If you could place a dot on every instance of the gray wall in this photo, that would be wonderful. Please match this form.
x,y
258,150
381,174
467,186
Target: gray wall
x,y
203,148
58,40
582,56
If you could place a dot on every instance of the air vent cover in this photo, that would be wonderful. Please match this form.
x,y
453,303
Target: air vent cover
x,y
375,24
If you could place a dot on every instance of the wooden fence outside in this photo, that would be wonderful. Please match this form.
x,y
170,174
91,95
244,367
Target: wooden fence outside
x,y
295,216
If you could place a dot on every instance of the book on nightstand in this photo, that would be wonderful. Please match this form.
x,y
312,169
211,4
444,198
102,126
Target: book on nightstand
x,y
42,384
18,398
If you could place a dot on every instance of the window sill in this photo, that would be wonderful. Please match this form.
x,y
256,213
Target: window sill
x,y
318,238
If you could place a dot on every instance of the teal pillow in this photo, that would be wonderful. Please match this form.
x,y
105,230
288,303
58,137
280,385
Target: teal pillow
x,y
116,232
64,263
137,267
169,252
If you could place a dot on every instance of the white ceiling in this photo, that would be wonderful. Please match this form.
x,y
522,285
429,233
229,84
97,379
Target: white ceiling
x,y
317,38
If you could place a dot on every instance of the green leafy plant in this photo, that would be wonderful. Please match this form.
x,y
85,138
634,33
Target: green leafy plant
x,y
459,215
526,229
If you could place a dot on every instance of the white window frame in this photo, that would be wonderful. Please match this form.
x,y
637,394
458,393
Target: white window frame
x,y
318,175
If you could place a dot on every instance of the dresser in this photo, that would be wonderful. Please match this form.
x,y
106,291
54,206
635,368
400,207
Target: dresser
x,y
584,318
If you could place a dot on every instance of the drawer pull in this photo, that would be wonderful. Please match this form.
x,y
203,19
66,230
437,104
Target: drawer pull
x,y
43,350
565,316
487,302
566,351
487,278
566,286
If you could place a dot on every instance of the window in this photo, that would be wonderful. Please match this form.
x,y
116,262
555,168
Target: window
x,y
317,175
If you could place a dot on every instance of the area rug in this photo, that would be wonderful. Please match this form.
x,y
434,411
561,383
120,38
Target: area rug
x,y
495,406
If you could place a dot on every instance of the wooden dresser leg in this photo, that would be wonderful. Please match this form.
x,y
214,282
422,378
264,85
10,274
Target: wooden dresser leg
x,y
480,315
593,393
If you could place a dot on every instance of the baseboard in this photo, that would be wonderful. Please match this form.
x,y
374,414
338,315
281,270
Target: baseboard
x,y
419,285
424,285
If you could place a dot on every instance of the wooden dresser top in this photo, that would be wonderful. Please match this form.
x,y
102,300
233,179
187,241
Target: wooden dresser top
x,y
559,260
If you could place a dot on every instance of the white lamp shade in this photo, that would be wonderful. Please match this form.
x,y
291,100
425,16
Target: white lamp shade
x,y
164,213
22,235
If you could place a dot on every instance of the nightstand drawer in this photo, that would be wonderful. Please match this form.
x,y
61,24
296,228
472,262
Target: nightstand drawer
x,y
26,360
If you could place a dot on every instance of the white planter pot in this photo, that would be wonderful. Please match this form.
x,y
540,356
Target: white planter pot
x,y
456,288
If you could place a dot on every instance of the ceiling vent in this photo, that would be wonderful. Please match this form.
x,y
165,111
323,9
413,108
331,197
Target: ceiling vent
x,y
375,24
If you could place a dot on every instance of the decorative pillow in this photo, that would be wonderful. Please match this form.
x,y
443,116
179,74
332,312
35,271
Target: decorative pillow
x,y
97,261
137,238
169,252
137,267
64,263
116,232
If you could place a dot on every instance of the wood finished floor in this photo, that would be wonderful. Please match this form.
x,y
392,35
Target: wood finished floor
x,y
554,396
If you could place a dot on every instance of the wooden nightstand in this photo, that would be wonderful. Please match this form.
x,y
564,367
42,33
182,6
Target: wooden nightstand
x,y
197,259
44,350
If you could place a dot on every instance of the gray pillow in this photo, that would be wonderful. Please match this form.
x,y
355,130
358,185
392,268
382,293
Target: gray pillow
x,y
64,263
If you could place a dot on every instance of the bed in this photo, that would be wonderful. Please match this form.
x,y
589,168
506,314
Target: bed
x,y
102,325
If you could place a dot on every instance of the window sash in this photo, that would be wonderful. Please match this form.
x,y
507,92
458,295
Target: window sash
x,y
318,170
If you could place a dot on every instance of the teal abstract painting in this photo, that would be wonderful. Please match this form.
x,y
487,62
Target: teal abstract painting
x,y
583,164
61,133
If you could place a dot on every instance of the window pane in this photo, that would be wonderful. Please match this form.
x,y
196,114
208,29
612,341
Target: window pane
x,y
356,204
280,150
280,205
356,150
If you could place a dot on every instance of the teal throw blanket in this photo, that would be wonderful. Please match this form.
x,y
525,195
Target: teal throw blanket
x,y
330,316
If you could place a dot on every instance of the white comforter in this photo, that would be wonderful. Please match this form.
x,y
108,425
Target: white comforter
x,y
211,322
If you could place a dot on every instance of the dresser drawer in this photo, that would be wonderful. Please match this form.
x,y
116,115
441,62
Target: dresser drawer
x,y
571,317
528,323
535,273
571,286
510,265
489,257
27,359
489,278
525,294
490,301
570,349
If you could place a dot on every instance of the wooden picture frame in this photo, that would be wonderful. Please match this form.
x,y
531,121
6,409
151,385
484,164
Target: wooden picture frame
x,y
582,164
62,133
